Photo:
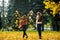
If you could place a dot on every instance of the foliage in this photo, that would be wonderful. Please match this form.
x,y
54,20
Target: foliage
x,y
52,5
32,35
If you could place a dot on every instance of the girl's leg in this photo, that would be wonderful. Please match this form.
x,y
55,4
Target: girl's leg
x,y
39,30
39,35
24,32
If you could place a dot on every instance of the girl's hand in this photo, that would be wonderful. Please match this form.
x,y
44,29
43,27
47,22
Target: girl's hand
x,y
20,27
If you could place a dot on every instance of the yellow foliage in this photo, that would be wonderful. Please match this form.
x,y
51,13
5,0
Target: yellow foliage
x,y
31,35
16,22
53,6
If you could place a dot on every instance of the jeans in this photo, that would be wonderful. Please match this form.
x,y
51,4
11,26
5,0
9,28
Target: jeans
x,y
39,29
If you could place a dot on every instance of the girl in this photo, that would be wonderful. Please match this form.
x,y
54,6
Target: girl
x,y
24,25
39,23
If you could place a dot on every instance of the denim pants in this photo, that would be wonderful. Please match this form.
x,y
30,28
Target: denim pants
x,y
39,29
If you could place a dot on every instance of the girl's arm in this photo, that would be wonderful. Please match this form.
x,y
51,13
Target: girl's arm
x,y
38,22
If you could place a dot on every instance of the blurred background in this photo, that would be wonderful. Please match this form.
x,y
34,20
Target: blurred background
x,y
12,10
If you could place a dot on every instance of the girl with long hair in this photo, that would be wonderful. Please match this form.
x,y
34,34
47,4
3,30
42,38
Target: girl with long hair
x,y
39,23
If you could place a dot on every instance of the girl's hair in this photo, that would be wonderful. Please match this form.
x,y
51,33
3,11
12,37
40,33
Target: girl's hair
x,y
39,13
39,16
24,17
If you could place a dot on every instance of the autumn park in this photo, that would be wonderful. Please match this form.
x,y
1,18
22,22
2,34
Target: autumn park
x,y
29,20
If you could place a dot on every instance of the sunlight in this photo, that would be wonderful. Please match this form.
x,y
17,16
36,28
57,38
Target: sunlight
x,y
6,3
0,2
